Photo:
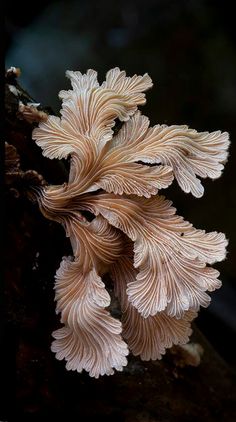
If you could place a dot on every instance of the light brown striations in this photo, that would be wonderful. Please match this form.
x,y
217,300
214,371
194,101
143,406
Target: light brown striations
x,y
157,261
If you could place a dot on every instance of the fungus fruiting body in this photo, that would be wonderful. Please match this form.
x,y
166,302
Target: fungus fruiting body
x,y
158,262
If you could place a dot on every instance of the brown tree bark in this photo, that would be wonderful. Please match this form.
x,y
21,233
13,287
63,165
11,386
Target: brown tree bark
x,y
37,385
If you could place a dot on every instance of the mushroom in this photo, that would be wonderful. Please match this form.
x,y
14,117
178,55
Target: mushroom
x,y
158,261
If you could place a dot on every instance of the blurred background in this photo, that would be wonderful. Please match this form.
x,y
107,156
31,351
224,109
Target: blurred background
x,y
188,49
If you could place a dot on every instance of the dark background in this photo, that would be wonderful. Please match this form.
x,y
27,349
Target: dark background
x,y
188,49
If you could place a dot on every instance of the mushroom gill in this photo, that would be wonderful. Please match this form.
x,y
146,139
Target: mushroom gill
x,y
158,262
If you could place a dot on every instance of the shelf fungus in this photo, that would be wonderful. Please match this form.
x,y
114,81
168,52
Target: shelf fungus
x,y
158,262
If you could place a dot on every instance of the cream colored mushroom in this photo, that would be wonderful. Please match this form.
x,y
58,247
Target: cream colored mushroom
x,y
157,261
